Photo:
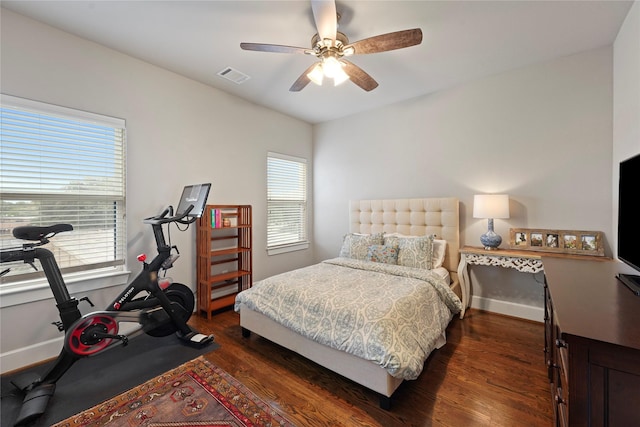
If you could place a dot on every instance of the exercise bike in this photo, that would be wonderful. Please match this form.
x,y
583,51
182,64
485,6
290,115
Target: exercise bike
x,y
159,307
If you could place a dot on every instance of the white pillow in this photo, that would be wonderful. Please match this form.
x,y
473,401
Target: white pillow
x,y
439,252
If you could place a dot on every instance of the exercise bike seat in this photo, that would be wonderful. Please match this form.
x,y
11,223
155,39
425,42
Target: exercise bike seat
x,y
34,232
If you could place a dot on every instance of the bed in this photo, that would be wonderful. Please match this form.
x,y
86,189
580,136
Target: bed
x,y
408,293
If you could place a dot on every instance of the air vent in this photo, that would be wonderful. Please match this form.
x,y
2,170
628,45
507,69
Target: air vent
x,y
234,75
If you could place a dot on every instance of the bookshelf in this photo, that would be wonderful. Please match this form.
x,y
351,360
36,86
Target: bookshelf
x,y
224,263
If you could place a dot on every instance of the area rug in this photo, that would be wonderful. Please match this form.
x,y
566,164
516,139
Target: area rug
x,y
92,380
197,393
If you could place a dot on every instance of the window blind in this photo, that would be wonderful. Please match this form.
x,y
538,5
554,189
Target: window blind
x,y
59,165
286,202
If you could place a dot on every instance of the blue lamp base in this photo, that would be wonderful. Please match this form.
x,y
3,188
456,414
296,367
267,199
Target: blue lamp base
x,y
490,240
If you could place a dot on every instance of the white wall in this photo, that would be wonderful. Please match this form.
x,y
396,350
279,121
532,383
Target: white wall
x,y
179,132
626,100
542,134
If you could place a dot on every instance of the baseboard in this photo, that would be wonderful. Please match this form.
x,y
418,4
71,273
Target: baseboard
x,y
42,352
30,355
509,308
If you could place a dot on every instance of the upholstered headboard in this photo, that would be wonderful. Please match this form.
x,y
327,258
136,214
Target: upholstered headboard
x,y
414,217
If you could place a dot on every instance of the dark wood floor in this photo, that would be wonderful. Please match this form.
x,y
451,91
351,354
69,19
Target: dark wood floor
x,y
491,372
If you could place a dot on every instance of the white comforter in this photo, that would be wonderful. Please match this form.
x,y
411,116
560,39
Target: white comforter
x,y
388,314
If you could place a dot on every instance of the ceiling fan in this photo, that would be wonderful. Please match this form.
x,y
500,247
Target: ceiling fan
x,y
331,47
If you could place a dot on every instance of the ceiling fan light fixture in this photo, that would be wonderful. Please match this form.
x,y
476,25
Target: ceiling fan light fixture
x,y
317,74
340,77
331,67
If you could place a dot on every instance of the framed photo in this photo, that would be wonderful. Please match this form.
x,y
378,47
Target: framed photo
x,y
521,239
537,239
570,241
562,241
552,241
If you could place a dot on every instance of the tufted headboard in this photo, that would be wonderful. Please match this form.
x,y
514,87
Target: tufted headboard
x,y
414,217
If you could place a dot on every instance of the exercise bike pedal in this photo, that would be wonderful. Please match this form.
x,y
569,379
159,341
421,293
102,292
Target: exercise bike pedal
x,y
195,338
35,403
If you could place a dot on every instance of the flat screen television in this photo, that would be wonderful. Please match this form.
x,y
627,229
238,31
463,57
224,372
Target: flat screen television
x,y
629,221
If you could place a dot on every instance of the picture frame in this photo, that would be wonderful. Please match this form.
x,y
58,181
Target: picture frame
x,y
576,242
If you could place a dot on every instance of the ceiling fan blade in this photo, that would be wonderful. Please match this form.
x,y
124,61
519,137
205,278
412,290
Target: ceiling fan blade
x,y
303,80
326,18
264,47
359,76
389,41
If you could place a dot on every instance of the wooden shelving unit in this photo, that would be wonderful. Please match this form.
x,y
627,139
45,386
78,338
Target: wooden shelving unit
x,y
224,261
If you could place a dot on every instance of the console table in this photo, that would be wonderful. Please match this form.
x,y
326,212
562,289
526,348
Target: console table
x,y
522,261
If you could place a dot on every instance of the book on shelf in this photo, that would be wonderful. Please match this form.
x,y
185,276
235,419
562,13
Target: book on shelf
x,y
216,218
221,218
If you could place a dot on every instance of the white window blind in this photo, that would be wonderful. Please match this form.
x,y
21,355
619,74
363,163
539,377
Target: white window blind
x,y
286,203
59,165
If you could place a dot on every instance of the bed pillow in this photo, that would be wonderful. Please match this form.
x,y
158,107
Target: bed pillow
x,y
414,251
439,252
356,245
383,253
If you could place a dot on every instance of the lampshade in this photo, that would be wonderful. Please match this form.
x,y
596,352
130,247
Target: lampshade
x,y
340,77
331,68
316,75
491,206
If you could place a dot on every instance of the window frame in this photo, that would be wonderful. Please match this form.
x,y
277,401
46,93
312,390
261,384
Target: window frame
x,y
303,242
111,273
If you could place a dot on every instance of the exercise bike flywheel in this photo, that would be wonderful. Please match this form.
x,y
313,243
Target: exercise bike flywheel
x,y
182,302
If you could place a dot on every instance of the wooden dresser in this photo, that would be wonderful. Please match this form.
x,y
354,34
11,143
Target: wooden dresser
x,y
592,344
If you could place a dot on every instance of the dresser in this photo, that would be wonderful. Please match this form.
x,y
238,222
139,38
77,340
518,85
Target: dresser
x,y
592,344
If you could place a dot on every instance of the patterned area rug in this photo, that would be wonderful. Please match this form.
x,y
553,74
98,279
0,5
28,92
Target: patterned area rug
x,y
196,393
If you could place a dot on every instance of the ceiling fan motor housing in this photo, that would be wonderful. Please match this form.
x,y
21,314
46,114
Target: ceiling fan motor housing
x,y
326,47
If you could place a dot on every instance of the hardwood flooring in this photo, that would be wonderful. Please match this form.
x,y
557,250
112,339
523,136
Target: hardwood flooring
x,y
491,372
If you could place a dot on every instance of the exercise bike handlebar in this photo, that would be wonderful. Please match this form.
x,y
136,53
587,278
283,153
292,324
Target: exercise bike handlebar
x,y
164,219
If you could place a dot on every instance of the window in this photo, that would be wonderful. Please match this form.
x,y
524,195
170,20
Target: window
x,y
286,203
59,165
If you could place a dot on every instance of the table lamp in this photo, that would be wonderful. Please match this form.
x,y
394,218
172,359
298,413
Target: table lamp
x,y
490,206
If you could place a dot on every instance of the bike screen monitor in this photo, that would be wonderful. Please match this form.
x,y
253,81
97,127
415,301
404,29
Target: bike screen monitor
x,y
195,195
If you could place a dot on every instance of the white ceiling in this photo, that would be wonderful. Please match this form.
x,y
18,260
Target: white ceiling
x,y
463,40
